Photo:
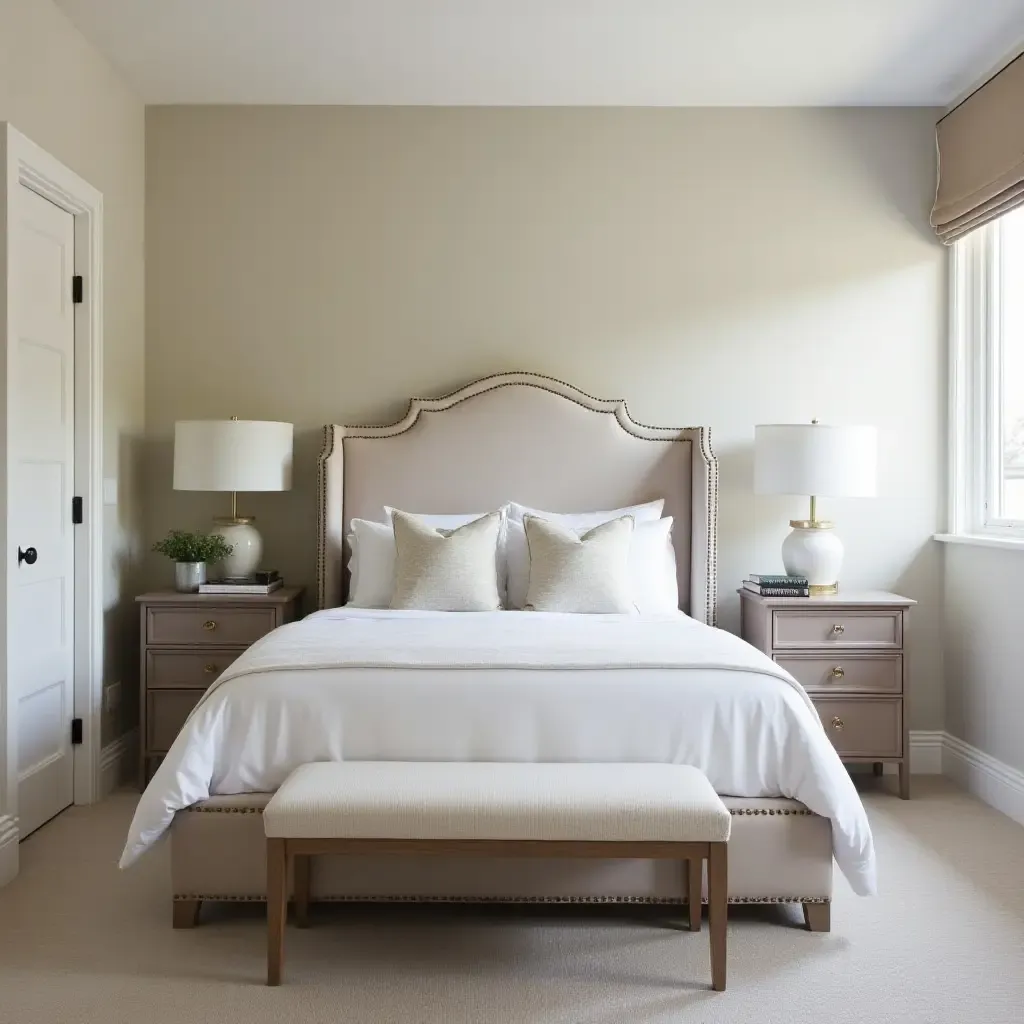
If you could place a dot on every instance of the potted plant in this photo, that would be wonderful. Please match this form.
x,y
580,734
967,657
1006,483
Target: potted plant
x,y
191,552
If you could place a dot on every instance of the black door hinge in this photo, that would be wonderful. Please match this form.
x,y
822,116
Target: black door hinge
x,y
76,510
76,288
76,731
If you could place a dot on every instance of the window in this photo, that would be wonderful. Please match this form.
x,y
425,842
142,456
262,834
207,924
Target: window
x,y
987,380
1010,493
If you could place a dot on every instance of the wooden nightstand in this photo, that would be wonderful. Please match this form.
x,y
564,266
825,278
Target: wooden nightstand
x,y
187,641
848,651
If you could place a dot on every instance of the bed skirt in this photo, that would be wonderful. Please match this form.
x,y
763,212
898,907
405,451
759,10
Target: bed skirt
x,y
779,852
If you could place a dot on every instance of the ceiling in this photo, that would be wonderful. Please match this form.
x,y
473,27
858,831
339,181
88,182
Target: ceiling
x,y
553,52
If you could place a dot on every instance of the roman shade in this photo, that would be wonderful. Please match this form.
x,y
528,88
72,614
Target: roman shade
x,y
981,156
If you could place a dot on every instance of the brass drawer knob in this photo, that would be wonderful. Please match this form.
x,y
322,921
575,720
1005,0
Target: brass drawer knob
x,y
838,629
838,672
209,625
211,668
837,723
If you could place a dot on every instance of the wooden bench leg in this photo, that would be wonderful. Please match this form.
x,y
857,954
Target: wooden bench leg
x,y
718,910
302,865
818,917
186,913
277,907
695,890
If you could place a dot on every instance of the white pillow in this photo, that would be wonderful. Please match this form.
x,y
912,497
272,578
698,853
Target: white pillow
x,y
446,570
584,573
646,513
450,521
652,567
371,564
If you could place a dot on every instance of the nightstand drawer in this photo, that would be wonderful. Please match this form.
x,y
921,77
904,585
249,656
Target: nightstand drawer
x,y
863,727
166,711
209,626
862,673
191,669
837,628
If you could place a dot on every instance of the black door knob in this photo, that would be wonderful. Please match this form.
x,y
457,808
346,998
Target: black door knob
x,y
29,555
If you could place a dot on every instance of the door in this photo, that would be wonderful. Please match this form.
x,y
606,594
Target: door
x,y
41,446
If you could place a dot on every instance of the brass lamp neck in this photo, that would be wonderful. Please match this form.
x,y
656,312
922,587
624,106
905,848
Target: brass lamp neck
x,y
234,519
813,523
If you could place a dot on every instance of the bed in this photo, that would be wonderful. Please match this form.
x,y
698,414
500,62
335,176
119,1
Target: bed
x,y
522,686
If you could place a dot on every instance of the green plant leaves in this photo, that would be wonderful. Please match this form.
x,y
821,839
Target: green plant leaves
x,y
182,546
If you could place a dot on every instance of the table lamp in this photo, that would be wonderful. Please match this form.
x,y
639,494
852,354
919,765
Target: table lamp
x,y
234,455
817,460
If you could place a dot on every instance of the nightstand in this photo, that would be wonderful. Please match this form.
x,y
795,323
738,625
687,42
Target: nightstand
x,y
187,641
848,652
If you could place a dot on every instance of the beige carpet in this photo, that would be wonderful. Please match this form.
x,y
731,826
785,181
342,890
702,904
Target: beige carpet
x,y
82,942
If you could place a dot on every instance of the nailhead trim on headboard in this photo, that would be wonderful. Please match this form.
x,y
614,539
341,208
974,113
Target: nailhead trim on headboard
x,y
616,407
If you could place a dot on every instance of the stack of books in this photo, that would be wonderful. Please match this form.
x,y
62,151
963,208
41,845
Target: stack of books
x,y
260,583
777,586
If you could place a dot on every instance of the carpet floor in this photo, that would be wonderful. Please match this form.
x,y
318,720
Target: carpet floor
x,y
943,943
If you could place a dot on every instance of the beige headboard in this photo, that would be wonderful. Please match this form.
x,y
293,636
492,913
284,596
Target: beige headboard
x,y
527,438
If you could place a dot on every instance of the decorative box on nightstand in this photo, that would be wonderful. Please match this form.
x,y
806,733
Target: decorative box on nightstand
x,y
848,651
187,641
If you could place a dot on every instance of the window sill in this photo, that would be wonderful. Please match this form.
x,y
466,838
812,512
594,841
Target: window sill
x,y
980,540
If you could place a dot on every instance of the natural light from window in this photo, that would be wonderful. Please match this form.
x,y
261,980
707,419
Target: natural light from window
x,y
1011,289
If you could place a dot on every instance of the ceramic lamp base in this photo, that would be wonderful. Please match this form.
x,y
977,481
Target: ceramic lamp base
x,y
246,546
813,550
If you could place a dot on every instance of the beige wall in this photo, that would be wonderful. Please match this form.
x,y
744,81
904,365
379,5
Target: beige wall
x,y
985,650
723,267
58,91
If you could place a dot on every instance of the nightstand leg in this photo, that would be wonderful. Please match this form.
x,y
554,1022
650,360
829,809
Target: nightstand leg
x,y
904,780
877,768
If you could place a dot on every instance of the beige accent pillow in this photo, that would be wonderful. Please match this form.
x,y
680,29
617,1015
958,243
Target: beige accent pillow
x,y
446,570
570,572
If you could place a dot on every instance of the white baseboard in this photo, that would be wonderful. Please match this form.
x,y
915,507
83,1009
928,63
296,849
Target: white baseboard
x,y
118,762
991,781
926,746
9,837
925,753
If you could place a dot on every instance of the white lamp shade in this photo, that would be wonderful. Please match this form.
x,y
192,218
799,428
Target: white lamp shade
x,y
814,458
232,455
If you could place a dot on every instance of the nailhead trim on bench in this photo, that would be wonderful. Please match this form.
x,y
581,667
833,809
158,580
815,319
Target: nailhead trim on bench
x,y
741,811
647,900
734,811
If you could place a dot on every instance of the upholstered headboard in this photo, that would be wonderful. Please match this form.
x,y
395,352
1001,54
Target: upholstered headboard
x,y
527,438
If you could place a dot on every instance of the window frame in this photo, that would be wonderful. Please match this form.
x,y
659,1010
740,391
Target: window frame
x,y
976,388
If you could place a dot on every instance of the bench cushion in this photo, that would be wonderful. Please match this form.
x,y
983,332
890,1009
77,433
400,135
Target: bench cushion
x,y
486,800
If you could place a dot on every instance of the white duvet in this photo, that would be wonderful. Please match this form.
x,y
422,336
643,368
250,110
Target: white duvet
x,y
361,684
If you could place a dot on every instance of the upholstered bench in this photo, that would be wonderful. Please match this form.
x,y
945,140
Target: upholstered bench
x,y
487,809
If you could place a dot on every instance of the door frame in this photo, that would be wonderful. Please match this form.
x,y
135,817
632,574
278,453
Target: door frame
x,y
23,163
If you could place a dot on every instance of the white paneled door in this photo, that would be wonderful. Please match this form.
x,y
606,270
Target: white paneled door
x,y
41,474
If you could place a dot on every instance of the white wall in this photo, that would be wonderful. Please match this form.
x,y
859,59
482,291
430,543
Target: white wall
x,y
984,644
62,94
721,267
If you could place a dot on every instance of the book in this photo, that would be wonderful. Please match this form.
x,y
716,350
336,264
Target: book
x,y
766,591
778,581
243,587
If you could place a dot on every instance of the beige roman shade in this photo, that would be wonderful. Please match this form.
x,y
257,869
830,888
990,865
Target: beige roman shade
x,y
981,156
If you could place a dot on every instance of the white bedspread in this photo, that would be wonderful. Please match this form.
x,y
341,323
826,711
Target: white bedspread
x,y
361,684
